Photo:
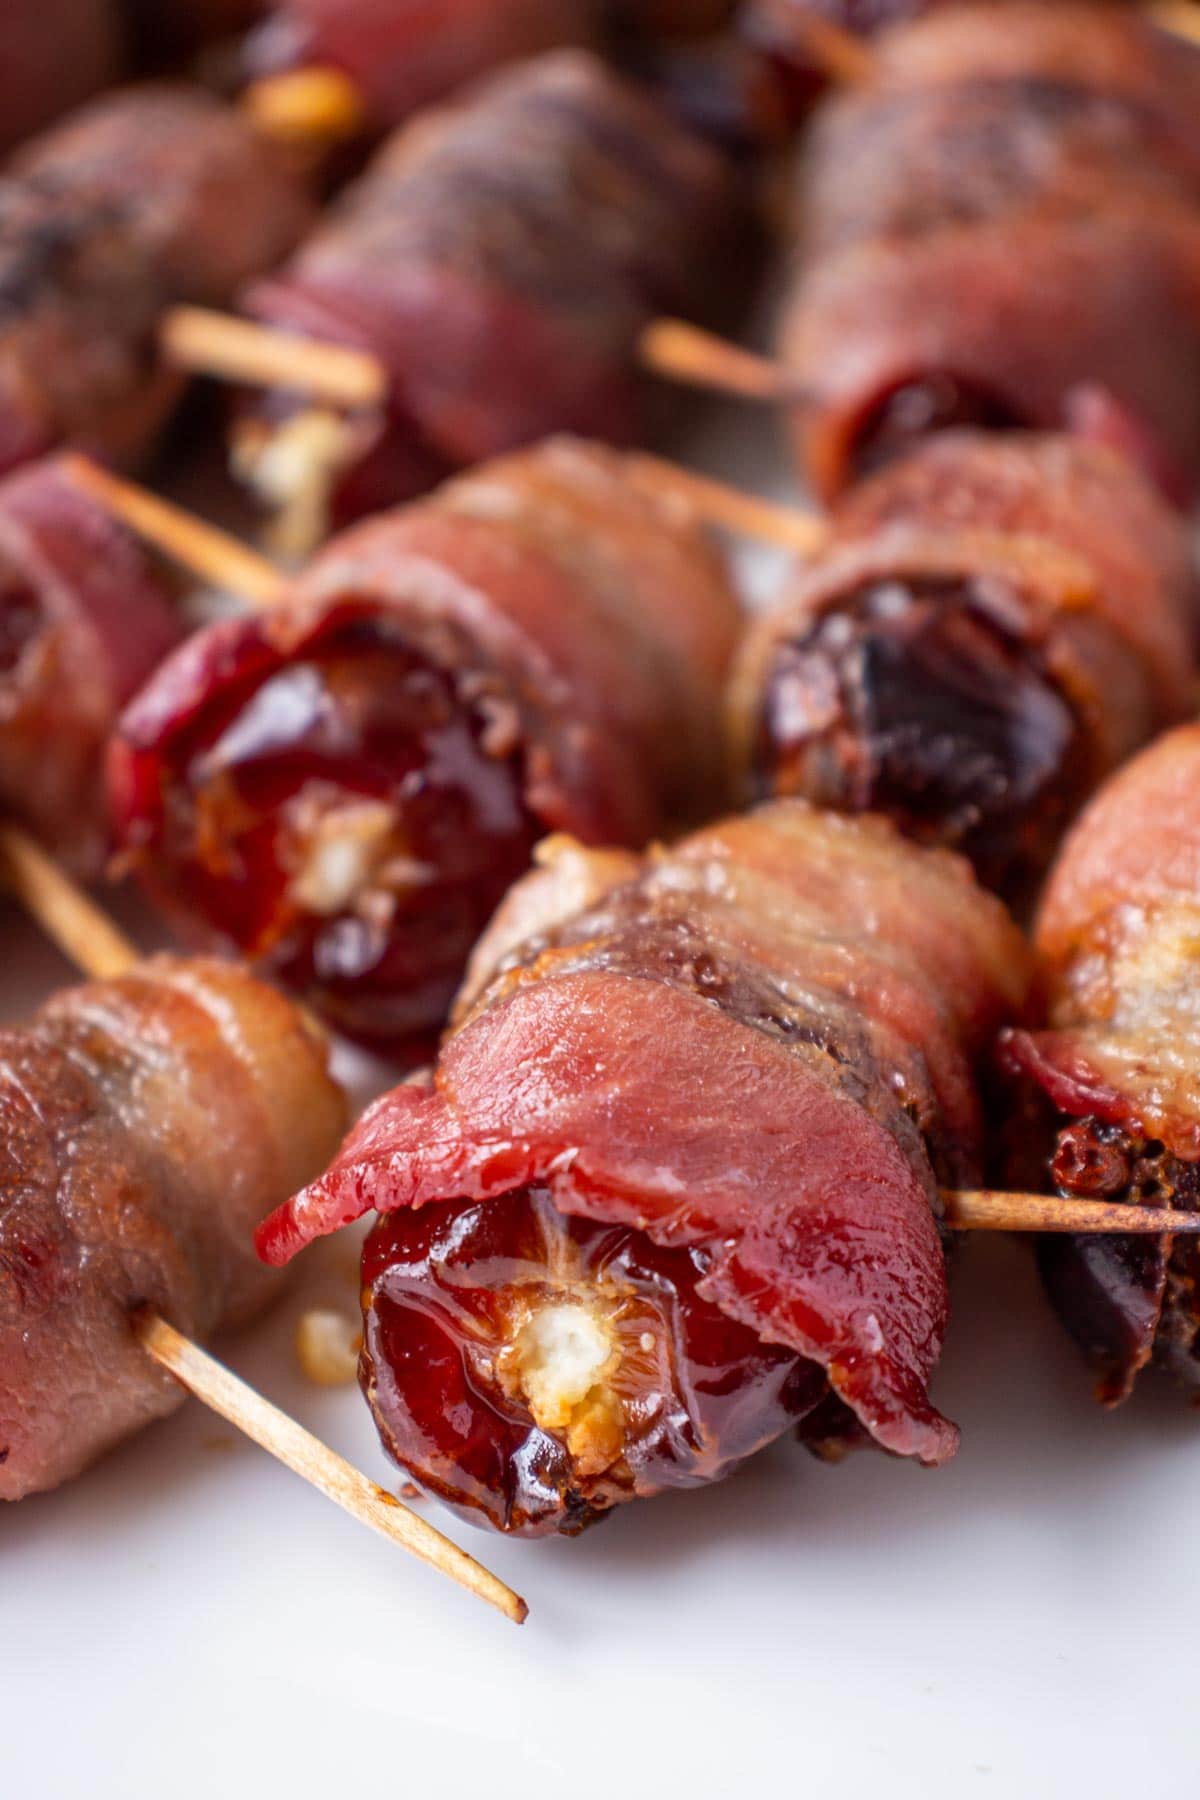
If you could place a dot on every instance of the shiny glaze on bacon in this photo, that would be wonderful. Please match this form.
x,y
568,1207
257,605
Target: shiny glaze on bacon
x,y
344,786
500,257
704,1118
145,1124
997,621
85,615
148,196
1001,220
1108,1094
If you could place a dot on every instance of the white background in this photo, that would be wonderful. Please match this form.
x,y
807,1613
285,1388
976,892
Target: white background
x,y
189,1620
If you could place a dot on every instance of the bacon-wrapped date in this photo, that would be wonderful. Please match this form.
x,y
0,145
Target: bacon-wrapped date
x,y
499,258
672,1184
996,623
54,54
345,785
999,224
85,615
148,196
1108,1095
144,1124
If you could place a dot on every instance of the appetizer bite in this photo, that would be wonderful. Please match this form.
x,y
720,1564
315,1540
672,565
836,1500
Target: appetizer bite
x,y
498,259
993,624
1001,227
343,786
145,1122
1108,1094
145,198
672,1185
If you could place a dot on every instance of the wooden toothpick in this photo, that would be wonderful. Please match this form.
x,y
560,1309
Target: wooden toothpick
x,y
94,944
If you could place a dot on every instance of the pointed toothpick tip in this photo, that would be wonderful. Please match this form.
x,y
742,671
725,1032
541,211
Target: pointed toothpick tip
x,y
297,1449
88,937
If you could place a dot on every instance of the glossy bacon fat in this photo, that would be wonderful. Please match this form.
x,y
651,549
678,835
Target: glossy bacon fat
x,y
85,615
500,258
1109,1093
996,623
672,1183
1000,222
147,196
144,1125
345,786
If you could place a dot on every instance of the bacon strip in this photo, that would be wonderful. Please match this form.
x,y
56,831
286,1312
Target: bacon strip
x,y
148,196
500,258
1022,224
1109,1093
760,1046
85,615
144,1125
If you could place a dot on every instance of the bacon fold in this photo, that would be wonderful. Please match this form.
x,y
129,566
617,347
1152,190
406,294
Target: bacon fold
x,y
759,1044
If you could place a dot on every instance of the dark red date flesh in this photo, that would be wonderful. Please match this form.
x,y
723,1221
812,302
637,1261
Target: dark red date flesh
x,y
907,700
913,410
339,819
462,1303
1126,1301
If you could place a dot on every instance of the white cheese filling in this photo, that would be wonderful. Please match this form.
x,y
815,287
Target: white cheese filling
x,y
563,1353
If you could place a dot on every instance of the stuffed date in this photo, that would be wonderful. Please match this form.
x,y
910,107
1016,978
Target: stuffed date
x,y
672,1184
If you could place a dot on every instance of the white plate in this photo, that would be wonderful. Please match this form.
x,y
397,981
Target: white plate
x,y
189,1620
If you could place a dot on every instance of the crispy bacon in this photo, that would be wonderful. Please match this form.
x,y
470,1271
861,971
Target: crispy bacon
x,y
997,622
144,1125
1109,1093
148,196
1004,216
500,258
752,1054
85,615
344,786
